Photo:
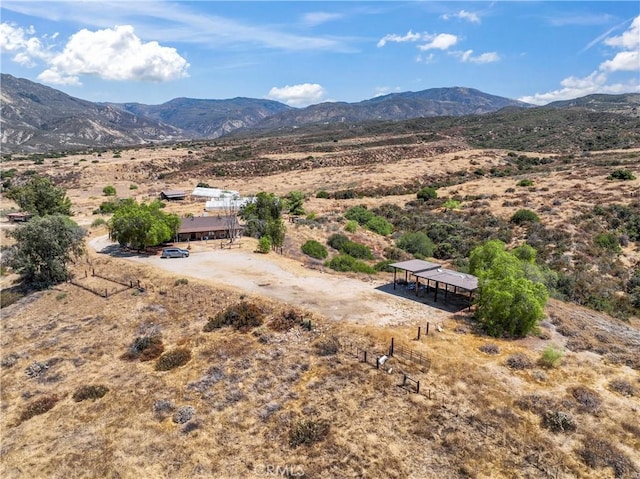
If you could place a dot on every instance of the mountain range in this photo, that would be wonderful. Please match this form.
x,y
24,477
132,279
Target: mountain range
x,y
37,118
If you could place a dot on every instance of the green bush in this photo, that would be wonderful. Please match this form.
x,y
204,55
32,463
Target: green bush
x,y
322,194
314,249
98,222
264,244
379,225
621,174
356,250
524,216
109,190
89,392
133,187
427,193
607,241
550,357
360,214
173,359
242,316
418,244
451,204
525,183
345,263
383,266
337,240
351,226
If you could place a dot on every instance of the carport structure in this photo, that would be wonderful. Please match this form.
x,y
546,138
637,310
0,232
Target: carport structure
x,y
433,272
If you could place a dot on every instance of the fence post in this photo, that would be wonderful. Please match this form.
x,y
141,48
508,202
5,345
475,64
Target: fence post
x,y
427,328
106,293
93,271
404,379
377,363
365,355
391,348
419,330
418,387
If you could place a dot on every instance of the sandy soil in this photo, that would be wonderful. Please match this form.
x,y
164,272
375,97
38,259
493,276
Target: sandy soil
x,y
336,297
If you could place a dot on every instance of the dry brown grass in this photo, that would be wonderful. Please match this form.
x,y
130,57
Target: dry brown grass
x,y
241,395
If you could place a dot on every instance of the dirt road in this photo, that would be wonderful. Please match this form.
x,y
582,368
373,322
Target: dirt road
x,y
334,296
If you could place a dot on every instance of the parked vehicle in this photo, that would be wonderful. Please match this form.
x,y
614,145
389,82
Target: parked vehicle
x,y
175,253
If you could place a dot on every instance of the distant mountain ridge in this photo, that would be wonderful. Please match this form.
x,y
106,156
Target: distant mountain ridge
x,y
37,118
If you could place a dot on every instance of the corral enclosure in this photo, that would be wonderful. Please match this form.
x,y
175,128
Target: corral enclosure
x,y
295,392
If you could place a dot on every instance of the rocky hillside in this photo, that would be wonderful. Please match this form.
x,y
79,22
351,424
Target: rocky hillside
x,y
37,118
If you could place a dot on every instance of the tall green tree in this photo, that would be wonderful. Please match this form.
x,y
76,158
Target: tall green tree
x,y
263,217
44,248
142,224
509,303
295,202
40,197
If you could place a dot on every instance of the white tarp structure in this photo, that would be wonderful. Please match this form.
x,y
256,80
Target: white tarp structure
x,y
222,200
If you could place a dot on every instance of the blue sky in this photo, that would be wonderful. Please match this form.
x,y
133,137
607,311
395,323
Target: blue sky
x,y
303,52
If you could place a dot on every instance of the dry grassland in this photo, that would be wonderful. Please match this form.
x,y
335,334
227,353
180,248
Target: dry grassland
x,y
266,401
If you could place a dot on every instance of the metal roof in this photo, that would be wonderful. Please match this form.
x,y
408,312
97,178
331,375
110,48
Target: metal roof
x,y
200,224
173,193
415,265
448,276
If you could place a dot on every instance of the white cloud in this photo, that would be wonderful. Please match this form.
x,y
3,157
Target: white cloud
x,y
467,57
463,15
316,18
385,90
623,61
111,54
627,60
430,58
392,37
441,41
21,42
298,95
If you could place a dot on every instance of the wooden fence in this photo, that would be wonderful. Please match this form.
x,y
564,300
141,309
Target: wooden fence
x,y
106,292
418,357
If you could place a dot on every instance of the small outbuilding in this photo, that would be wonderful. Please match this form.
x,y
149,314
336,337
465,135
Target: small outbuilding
x,y
172,195
18,217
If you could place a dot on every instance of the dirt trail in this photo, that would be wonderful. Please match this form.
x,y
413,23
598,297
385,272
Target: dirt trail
x,y
333,296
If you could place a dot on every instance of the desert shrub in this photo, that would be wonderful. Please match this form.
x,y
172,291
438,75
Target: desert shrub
x,y
621,174
519,361
587,399
524,216
418,244
360,214
597,452
307,431
379,225
184,414
558,421
607,241
286,320
9,360
322,194
133,187
550,357
356,250
622,386
451,204
427,193
396,254
36,369
351,226
191,426
162,408
144,348
336,241
525,182
490,348
107,207
344,262
39,406
98,222
173,359
180,281
109,190
327,346
89,392
242,316
314,249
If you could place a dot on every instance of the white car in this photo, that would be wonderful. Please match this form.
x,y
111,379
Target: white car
x,y
175,253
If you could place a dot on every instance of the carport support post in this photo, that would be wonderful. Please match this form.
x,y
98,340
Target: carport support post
x,y
435,297
395,270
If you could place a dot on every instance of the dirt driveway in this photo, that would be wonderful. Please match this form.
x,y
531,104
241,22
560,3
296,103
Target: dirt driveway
x,y
334,296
